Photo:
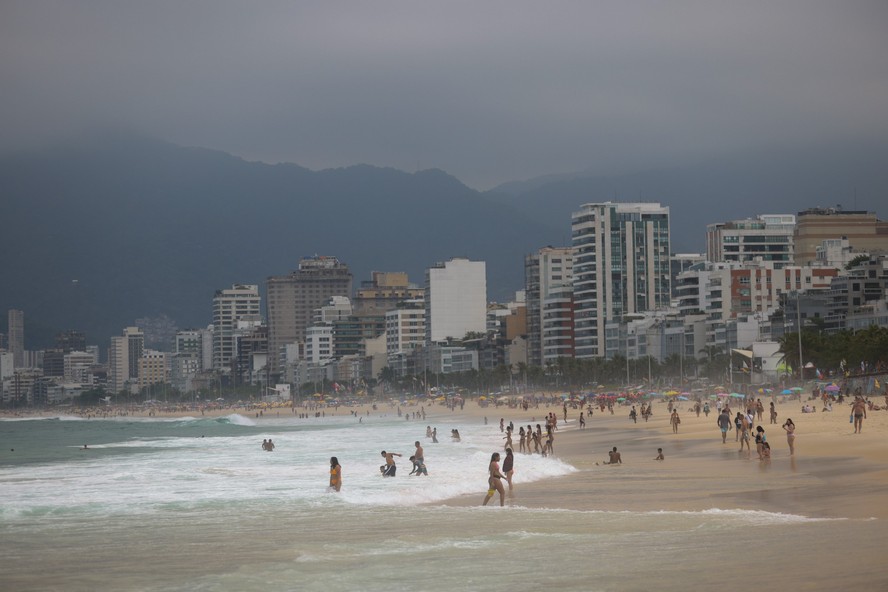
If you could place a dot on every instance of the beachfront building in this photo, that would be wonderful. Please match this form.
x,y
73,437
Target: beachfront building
x,y
16,336
768,237
384,291
863,230
239,303
293,298
620,267
455,300
153,369
123,358
557,325
405,327
548,277
679,263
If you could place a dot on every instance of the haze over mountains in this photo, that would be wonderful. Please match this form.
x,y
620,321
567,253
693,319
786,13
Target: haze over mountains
x,y
113,226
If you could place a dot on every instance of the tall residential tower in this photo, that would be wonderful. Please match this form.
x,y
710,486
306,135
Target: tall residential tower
x,y
620,267
292,299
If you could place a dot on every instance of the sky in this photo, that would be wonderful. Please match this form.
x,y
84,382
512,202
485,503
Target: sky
x,y
488,91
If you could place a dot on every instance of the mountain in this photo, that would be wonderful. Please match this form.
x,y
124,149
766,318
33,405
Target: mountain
x,y
112,227
775,180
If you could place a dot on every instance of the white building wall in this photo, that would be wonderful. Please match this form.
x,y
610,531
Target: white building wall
x,y
456,299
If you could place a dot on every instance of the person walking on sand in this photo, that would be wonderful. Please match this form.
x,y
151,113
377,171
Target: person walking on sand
x,y
790,435
858,410
674,419
724,424
335,474
508,467
495,480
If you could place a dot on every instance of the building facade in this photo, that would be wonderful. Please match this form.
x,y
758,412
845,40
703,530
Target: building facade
x,y
455,300
863,230
16,336
547,272
239,303
620,267
767,237
123,358
293,298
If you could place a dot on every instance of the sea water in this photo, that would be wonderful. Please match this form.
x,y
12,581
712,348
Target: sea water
x,y
196,504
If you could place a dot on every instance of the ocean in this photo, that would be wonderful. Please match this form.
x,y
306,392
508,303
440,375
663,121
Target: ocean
x,y
196,504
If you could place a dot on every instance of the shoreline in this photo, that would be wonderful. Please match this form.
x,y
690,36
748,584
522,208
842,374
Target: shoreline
x,y
834,473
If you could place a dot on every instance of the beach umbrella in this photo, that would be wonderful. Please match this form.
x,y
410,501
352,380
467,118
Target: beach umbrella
x,y
682,398
737,395
671,393
621,398
786,392
796,389
832,389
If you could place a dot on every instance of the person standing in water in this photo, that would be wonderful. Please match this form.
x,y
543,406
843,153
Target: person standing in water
x,y
389,468
508,467
335,474
790,435
494,480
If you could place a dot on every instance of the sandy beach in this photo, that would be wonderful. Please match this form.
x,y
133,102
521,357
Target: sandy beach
x,y
812,521
834,472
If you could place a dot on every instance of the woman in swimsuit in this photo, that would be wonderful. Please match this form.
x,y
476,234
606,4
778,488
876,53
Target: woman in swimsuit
x,y
335,474
790,435
494,481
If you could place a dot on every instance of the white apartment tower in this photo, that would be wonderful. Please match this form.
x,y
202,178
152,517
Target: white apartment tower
x,y
548,274
405,327
241,302
455,300
126,351
620,267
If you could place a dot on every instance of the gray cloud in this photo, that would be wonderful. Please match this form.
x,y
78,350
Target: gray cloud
x,y
489,91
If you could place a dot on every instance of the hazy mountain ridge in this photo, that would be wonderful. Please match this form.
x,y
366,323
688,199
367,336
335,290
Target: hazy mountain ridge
x,y
111,227
99,233
774,180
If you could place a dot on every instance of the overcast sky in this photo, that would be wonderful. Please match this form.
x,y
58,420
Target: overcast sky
x,y
488,91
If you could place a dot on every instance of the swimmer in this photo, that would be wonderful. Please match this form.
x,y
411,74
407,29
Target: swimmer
x,y
614,457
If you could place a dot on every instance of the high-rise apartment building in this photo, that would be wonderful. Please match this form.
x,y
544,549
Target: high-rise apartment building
x,y
767,238
620,267
864,231
239,303
405,327
547,272
16,336
293,298
126,351
455,300
153,368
